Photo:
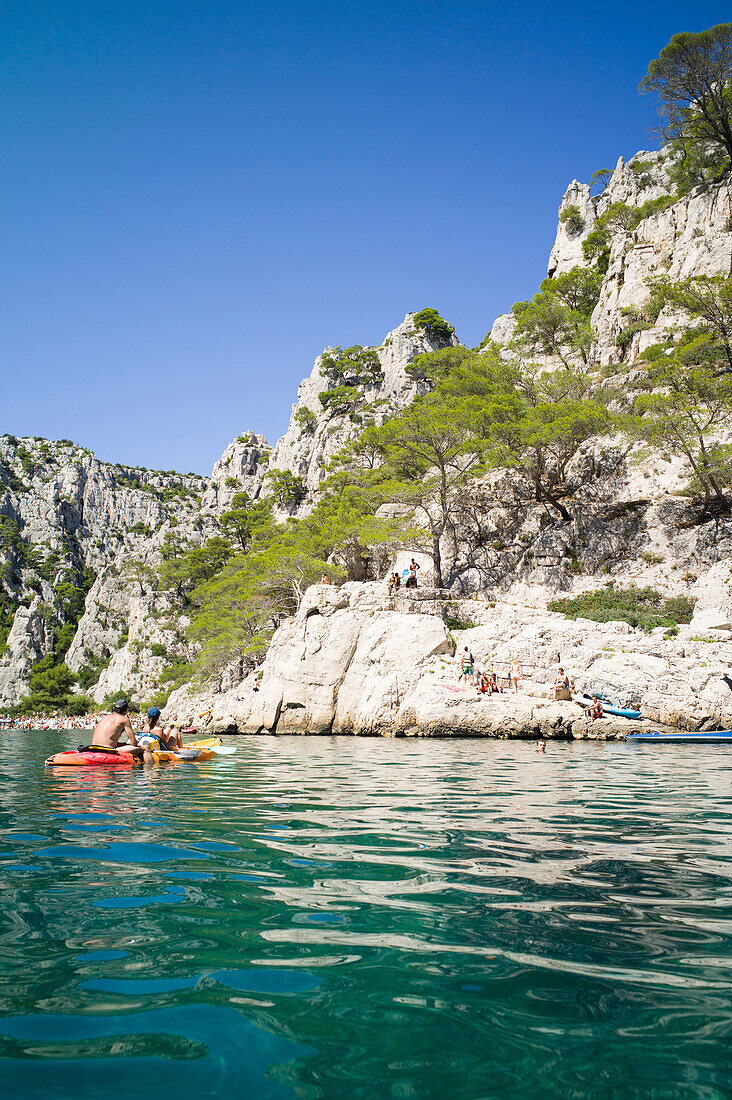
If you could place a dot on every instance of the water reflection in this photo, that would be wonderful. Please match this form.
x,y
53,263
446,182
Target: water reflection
x,y
316,917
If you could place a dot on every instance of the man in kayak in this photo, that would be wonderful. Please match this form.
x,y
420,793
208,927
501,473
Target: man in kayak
x,y
110,728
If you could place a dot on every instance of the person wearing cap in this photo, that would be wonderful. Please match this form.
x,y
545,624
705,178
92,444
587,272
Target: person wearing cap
x,y
110,728
150,736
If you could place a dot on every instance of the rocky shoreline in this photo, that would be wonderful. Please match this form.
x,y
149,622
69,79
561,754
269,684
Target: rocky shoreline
x,y
355,661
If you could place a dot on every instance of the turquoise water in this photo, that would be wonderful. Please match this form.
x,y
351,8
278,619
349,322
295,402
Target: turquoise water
x,y
324,917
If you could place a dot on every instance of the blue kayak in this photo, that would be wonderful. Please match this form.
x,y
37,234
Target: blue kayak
x,y
653,737
608,708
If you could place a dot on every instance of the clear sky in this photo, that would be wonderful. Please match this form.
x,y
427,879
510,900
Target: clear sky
x,y
199,195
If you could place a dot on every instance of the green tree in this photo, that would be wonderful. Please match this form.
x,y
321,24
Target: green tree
x,y
181,573
692,77
51,690
287,489
572,219
241,607
306,419
247,521
706,300
430,321
556,321
600,179
686,403
430,452
543,439
354,366
140,573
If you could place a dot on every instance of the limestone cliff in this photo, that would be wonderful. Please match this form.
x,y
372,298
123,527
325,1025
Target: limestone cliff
x,y
310,443
355,661
70,519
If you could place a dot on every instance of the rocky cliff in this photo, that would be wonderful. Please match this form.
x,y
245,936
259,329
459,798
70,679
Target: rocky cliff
x,y
356,661
71,519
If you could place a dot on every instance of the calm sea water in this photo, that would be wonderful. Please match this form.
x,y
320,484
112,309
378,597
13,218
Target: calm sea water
x,y
323,917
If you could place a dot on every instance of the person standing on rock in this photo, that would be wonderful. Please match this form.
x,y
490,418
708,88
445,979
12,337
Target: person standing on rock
x,y
515,674
467,665
561,685
412,578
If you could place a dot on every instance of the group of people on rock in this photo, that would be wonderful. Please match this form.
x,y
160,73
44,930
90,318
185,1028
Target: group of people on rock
x,y
64,722
50,722
394,581
486,682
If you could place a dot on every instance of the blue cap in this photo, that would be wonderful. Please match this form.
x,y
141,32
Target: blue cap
x,y
121,704
153,712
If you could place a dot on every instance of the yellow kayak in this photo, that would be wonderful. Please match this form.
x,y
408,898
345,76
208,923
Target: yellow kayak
x,y
205,749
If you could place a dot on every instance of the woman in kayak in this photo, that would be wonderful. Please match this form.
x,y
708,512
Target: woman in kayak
x,y
153,737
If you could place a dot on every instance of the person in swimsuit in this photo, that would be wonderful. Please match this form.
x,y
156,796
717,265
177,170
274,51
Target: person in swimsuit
x,y
561,684
110,728
493,684
467,665
594,710
152,737
515,674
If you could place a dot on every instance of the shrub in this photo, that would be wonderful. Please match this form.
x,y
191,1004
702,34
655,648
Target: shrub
x,y
650,558
306,419
89,674
354,366
433,325
643,608
572,220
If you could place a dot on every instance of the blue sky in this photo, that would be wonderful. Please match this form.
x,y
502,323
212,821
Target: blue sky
x,y
200,195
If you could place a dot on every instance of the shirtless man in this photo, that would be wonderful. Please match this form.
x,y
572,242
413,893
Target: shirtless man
x,y
110,728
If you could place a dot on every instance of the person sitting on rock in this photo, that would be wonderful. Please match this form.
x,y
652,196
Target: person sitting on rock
x,y
482,683
561,685
412,578
594,710
493,685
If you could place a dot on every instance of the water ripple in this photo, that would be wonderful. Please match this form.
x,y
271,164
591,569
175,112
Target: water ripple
x,y
320,917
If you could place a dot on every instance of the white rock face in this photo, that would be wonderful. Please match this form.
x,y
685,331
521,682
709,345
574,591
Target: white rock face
x,y
237,471
503,329
305,451
566,252
29,639
356,661
91,516
688,238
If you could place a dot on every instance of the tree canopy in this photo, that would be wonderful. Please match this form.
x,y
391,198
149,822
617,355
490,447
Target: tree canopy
x,y
692,77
